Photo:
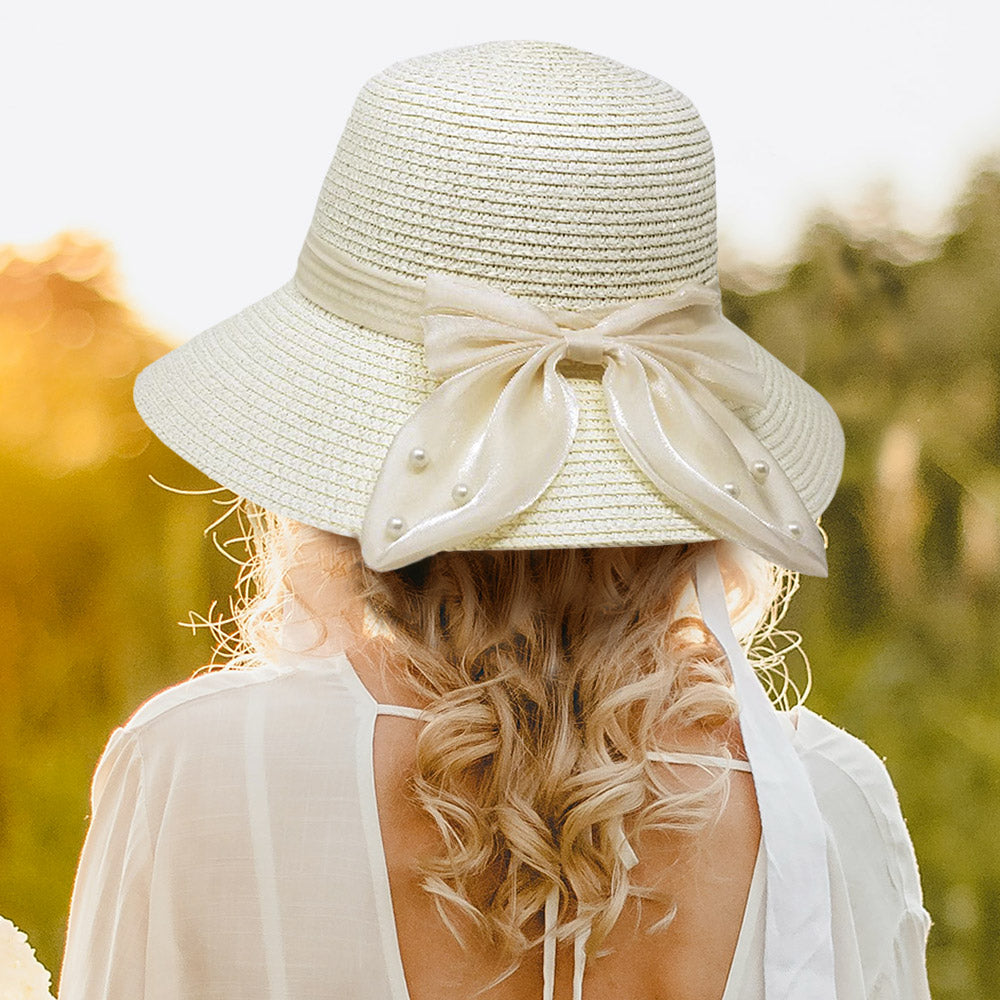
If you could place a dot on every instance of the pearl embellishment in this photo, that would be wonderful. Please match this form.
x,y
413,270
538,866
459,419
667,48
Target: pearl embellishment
x,y
795,529
418,459
732,489
460,493
759,470
395,526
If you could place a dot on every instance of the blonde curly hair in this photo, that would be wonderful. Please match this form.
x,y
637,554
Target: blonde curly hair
x,y
547,676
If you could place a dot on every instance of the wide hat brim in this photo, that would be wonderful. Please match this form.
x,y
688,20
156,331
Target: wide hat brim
x,y
293,408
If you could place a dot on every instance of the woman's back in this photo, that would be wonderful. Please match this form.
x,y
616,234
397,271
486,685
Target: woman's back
x,y
691,960
265,823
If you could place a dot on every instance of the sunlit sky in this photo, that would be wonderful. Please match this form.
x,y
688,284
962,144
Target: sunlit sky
x,y
194,135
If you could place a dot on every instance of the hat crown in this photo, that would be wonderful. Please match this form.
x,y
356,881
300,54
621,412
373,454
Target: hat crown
x,y
555,173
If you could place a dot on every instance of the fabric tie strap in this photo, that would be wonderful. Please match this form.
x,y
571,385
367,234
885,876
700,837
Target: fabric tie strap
x,y
491,437
549,951
798,940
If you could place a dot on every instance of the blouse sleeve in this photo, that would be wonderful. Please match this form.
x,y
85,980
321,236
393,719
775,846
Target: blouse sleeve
x,y
904,974
879,867
105,956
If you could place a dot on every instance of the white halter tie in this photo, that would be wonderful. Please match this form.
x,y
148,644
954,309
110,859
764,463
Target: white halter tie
x,y
798,945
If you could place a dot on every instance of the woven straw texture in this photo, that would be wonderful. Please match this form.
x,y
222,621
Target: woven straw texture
x,y
555,174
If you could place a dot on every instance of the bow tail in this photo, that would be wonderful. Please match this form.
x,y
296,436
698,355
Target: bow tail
x,y
493,437
702,456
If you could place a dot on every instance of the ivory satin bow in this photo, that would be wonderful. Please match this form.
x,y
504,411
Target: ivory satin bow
x,y
491,437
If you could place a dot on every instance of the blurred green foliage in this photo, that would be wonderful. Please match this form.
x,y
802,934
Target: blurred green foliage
x,y
98,563
903,635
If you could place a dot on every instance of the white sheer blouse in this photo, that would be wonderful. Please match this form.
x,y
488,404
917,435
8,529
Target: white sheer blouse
x,y
234,851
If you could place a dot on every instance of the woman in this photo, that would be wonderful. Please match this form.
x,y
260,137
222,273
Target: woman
x,y
520,497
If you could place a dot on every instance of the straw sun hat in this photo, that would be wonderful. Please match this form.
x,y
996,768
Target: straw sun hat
x,y
504,332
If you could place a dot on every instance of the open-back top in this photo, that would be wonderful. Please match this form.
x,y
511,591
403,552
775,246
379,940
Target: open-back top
x,y
745,980
234,850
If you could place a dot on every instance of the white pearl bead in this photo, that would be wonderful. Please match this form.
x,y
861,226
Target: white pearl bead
x,y
732,489
795,529
759,470
460,493
395,526
418,459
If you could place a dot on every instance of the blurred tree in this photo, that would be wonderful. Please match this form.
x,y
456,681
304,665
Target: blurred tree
x,y
96,565
903,634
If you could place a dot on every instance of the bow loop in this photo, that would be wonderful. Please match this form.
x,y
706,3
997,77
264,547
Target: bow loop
x,y
586,345
489,440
